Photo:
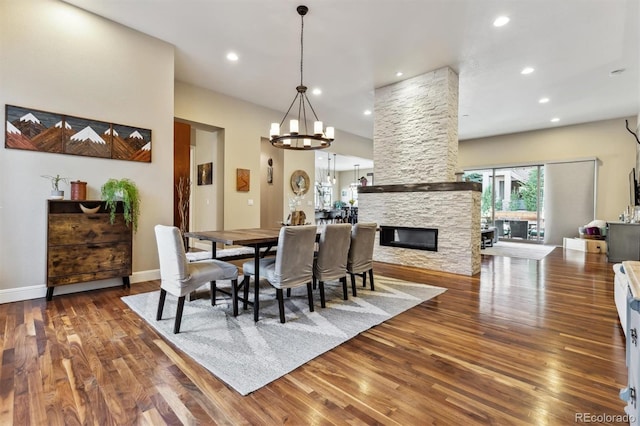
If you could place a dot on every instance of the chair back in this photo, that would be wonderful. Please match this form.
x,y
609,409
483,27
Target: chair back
x,y
173,261
294,258
333,249
361,250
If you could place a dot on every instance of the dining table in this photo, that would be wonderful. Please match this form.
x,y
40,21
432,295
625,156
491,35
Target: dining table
x,y
258,238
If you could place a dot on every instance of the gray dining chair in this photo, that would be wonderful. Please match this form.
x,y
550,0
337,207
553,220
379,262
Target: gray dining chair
x,y
331,261
360,260
179,277
291,267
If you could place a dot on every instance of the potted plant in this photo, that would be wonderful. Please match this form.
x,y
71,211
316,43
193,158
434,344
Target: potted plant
x,y
124,190
56,192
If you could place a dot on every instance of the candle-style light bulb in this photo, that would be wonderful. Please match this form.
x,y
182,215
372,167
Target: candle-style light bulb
x,y
275,130
293,127
330,133
317,128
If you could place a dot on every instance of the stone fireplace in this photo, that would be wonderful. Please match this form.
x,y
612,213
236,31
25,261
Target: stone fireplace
x,y
415,153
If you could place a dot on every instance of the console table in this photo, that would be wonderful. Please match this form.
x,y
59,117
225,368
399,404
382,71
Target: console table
x,y
623,241
85,247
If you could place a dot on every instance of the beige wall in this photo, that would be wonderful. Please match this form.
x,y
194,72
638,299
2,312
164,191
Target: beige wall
x,y
57,58
245,124
607,140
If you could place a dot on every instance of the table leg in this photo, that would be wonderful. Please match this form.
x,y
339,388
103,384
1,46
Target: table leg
x,y
256,283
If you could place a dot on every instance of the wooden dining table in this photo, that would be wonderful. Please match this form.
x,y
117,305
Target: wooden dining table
x,y
258,238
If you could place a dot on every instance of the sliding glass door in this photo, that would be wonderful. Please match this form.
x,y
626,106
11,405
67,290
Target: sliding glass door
x,y
512,201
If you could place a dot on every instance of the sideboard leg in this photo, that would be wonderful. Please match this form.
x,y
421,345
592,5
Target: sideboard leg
x,y
49,293
126,283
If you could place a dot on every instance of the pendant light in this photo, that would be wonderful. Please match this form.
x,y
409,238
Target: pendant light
x,y
296,138
328,169
334,169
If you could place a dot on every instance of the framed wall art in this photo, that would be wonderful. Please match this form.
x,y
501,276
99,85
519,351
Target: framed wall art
x,y
205,174
243,177
42,131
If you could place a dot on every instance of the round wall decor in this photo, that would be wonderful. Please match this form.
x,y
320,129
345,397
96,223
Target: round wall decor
x,y
300,182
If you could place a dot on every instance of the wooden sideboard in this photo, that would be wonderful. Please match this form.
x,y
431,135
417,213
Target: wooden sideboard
x,y
85,247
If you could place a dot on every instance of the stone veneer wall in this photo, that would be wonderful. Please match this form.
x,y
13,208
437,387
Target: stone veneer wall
x,y
416,141
415,132
456,215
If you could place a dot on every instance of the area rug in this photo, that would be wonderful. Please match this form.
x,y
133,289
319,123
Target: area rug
x,y
521,250
248,355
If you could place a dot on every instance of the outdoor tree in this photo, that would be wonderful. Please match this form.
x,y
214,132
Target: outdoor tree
x,y
529,191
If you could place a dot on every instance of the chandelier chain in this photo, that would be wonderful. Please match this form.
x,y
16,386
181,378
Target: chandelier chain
x,y
301,46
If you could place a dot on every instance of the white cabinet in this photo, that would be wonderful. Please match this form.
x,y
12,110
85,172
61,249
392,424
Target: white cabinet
x,y
629,394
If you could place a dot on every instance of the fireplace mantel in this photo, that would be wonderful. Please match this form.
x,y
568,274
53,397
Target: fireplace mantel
x,y
421,187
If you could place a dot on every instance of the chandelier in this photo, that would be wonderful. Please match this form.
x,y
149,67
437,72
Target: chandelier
x,y
320,138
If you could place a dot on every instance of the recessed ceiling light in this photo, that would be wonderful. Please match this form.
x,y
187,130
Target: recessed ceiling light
x,y
317,91
399,74
232,56
367,112
500,21
555,120
543,100
527,70
616,72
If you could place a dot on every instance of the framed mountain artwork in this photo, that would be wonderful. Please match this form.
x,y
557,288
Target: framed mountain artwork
x,y
43,131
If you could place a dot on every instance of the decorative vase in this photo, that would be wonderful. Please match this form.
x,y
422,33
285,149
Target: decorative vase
x,y
79,190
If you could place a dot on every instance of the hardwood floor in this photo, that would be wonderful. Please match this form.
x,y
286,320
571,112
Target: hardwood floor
x,y
524,342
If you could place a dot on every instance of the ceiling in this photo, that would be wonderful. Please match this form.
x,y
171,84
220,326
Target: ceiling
x,y
353,47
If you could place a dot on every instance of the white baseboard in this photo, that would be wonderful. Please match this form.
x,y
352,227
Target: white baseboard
x,y
37,291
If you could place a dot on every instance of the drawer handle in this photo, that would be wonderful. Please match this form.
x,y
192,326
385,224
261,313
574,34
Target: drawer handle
x,y
93,246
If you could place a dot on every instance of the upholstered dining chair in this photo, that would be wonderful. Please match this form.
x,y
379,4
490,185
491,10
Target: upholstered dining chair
x,y
360,260
291,267
179,277
331,262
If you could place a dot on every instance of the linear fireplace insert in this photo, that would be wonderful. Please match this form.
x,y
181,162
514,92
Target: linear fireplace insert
x,y
412,238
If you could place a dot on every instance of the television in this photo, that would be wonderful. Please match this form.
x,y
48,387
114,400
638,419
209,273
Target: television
x,y
633,188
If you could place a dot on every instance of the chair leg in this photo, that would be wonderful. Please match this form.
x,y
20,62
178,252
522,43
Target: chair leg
x,y
371,279
212,284
245,283
343,280
310,294
314,282
163,295
323,303
288,292
176,327
364,279
353,285
234,297
280,304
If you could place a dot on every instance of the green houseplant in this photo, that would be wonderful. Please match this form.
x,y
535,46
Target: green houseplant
x,y
124,190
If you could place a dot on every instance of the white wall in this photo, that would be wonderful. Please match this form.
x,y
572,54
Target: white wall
x,y
58,58
607,140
